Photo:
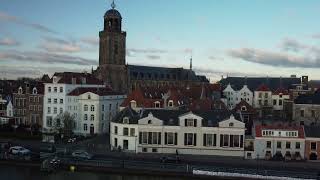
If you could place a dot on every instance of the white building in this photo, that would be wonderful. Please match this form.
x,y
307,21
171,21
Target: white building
x,y
175,131
262,97
93,109
279,141
278,98
234,97
55,96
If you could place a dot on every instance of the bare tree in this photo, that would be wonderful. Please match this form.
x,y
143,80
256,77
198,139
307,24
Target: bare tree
x,y
63,124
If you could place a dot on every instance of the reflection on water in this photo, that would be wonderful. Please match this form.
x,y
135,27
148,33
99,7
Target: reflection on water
x,y
25,173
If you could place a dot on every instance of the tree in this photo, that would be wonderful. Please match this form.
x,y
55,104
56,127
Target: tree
x,y
64,124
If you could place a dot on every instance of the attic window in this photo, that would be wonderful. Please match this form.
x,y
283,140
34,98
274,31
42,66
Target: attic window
x,y
231,124
89,96
149,122
170,104
133,104
20,90
125,120
34,91
55,80
243,108
157,104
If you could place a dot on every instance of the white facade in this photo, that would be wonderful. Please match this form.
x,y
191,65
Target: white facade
x,y
262,99
278,101
234,97
92,112
151,136
55,100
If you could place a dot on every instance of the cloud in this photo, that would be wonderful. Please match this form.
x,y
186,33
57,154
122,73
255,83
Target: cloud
x,y
146,51
13,19
58,45
316,36
214,58
94,41
292,45
45,58
275,59
8,42
153,57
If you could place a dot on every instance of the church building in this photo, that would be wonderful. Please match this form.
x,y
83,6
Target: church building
x,y
114,70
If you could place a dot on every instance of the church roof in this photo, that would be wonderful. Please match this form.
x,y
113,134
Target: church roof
x,y
112,13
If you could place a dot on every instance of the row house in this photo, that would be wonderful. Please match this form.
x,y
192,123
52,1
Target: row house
x,y
28,104
234,97
279,141
6,110
246,113
93,109
178,132
306,109
312,147
55,98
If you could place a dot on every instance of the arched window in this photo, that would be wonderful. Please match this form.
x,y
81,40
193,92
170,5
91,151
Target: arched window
x,y
243,108
89,96
34,91
231,124
85,117
85,108
92,108
20,90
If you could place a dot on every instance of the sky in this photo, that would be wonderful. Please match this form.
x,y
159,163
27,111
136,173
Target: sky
x,y
224,37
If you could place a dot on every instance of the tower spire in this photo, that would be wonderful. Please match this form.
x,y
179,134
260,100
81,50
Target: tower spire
x,y
113,5
191,63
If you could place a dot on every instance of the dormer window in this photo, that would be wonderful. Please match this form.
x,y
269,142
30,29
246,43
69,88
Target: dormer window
x,y
20,90
170,103
55,79
149,122
157,104
243,108
34,91
133,104
231,124
125,120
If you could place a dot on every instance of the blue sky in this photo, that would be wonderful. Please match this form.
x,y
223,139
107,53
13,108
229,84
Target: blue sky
x,y
225,37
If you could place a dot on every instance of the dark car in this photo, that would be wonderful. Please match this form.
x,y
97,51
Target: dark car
x,y
170,159
48,148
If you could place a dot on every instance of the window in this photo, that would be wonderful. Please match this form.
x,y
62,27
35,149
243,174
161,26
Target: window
x,y
110,106
274,102
191,122
144,149
234,141
260,102
150,138
85,117
157,104
297,145
170,138
302,113
268,144
125,120
279,145
85,127
132,103
55,110
49,100
170,103
92,117
288,145
92,108
61,110
260,95
31,99
231,124
266,95
154,150
313,146
55,89
265,102
280,102
85,107
116,130
49,110
190,139
225,140
89,96
58,122
61,89
102,107
125,131
243,108
209,139
61,101
49,121
132,131
149,122
115,142
49,89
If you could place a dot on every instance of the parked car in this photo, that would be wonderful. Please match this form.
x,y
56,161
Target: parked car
x,y
19,150
82,155
48,148
170,159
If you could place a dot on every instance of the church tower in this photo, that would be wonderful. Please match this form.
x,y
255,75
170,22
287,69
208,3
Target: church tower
x,y
112,52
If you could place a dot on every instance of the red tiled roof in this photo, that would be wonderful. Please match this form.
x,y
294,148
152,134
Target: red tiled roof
x,y
141,100
206,105
263,87
259,128
99,91
281,91
66,78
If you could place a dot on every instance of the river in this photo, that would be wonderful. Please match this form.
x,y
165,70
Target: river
x,y
28,173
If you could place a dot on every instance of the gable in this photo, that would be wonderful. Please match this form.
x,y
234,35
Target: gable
x,y
231,121
150,120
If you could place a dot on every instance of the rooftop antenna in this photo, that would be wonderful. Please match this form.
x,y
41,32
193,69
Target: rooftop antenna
x,y
113,5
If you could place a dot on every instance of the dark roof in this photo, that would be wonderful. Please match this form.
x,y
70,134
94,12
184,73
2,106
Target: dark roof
x,y
312,131
254,82
163,73
66,78
112,13
171,117
103,91
308,98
